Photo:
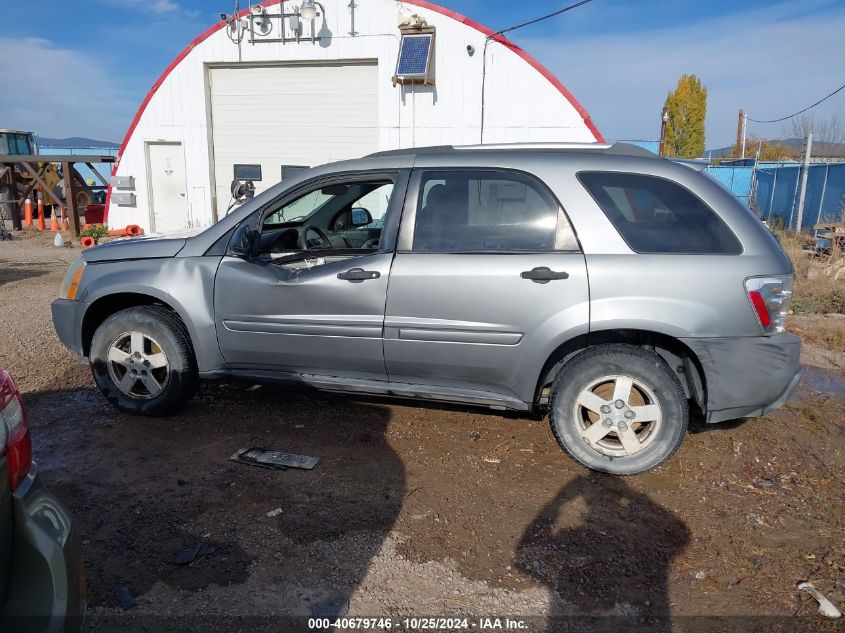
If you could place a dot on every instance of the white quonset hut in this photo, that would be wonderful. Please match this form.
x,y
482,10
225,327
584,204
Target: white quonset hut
x,y
298,83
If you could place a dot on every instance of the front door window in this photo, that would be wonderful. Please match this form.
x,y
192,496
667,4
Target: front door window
x,y
347,216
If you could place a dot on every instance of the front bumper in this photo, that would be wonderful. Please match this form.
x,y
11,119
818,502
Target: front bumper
x,y
67,319
46,591
748,376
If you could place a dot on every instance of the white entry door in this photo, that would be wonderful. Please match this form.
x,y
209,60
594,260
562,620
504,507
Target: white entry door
x,y
168,189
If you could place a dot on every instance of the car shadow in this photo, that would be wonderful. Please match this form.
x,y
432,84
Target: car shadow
x,y
605,550
144,491
11,271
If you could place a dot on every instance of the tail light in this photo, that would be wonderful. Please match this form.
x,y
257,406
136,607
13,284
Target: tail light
x,y
770,297
14,431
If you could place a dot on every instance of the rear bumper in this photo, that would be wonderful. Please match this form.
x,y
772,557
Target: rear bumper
x,y
748,376
67,320
46,590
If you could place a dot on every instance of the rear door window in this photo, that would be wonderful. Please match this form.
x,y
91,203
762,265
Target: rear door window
x,y
467,211
656,215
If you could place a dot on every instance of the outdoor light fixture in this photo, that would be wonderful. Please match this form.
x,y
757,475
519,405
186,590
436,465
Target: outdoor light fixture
x,y
260,21
292,25
308,10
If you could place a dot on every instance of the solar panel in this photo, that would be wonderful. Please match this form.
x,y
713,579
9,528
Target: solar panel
x,y
413,55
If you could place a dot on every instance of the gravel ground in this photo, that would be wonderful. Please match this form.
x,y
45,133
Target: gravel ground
x,y
421,509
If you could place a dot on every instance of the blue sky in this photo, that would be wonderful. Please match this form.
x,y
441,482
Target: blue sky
x,y
88,63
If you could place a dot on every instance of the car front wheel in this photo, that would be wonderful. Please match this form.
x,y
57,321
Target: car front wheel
x,y
143,362
618,409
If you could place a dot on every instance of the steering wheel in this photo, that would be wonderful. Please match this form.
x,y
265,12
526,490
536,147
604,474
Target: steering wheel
x,y
303,237
371,243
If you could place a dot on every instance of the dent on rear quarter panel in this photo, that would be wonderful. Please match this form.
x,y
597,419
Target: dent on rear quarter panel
x,y
677,295
184,283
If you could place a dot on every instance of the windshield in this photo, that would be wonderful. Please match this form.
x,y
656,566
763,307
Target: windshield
x,y
15,144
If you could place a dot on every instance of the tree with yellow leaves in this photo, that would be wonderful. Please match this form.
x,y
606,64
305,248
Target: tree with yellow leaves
x,y
766,150
687,107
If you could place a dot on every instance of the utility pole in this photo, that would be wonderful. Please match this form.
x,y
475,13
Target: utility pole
x,y
664,118
744,128
804,174
739,128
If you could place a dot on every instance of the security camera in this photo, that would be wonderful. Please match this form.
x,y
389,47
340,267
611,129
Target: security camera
x,y
470,50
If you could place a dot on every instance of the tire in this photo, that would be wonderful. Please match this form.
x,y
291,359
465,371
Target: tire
x,y
165,367
583,395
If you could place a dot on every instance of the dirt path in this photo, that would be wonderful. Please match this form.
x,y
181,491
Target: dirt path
x,y
421,510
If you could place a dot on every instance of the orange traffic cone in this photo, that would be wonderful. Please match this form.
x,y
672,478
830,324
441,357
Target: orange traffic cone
x,y
41,225
54,221
65,224
27,212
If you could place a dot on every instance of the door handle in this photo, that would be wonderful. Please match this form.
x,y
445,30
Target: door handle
x,y
543,275
358,275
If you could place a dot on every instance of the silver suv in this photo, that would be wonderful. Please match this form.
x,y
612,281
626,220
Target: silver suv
x,y
616,289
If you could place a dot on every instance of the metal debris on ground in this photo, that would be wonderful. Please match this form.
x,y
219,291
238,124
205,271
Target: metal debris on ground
x,y
125,598
192,553
274,513
332,608
826,607
273,459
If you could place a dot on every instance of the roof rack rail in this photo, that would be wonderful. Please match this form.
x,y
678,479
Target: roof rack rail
x,y
616,149
523,146
428,149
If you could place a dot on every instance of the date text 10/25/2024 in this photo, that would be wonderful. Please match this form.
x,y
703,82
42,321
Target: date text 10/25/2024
x,y
419,624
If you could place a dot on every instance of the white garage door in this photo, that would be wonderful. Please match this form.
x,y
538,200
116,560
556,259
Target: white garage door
x,y
302,115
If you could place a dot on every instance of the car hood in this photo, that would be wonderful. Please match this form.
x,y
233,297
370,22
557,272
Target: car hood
x,y
144,247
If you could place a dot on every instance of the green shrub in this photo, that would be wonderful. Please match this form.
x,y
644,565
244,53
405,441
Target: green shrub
x,y
96,231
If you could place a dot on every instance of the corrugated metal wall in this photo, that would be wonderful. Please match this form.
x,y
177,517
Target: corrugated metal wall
x,y
777,192
738,179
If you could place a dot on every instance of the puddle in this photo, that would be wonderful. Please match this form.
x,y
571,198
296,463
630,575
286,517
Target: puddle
x,y
823,381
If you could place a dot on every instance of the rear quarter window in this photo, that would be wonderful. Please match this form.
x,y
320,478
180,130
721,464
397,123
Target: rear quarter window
x,y
656,215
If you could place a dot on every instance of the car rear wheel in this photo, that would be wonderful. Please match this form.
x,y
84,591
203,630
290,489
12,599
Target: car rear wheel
x,y
143,362
618,409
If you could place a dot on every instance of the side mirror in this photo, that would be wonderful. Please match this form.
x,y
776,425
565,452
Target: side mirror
x,y
244,242
360,217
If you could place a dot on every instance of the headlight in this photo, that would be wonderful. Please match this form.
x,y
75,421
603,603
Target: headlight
x,y
72,279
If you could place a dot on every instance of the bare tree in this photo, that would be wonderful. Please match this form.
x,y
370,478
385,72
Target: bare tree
x,y
828,133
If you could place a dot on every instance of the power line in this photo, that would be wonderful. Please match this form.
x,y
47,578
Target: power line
x,y
540,19
493,36
784,118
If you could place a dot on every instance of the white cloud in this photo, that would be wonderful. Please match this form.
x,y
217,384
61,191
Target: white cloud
x,y
770,62
61,92
148,6
162,8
